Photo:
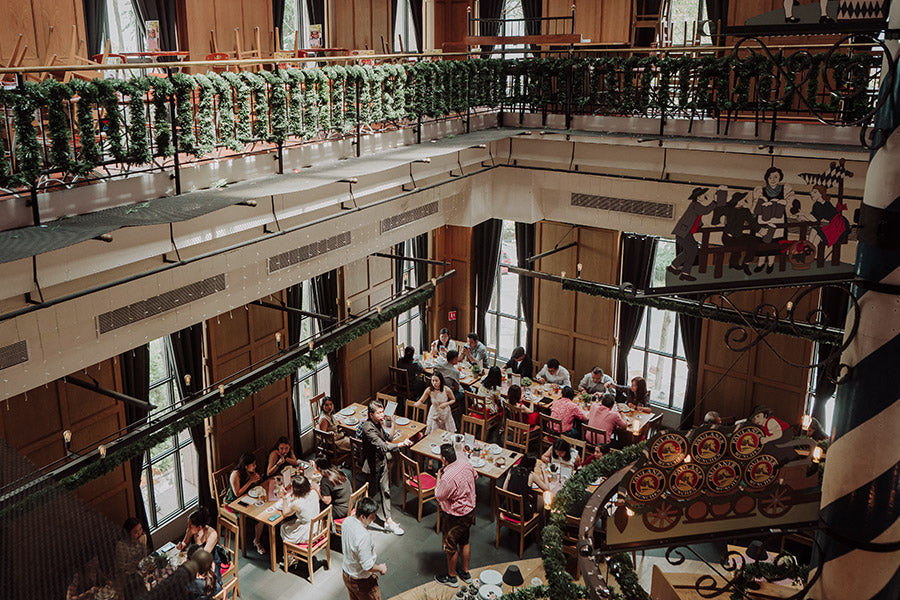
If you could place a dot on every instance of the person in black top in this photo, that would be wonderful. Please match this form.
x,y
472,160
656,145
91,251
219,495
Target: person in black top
x,y
408,361
737,217
334,489
376,452
520,363
636,395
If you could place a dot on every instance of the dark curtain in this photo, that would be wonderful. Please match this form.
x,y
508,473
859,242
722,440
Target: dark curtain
x,y
164,12
420,250
295,300
531,10
187,346
94,25
135,368
717,13
316,9
525,233
691,328
637,254
278,19
398,269
415,13
489,9
486,238
325,299
834,307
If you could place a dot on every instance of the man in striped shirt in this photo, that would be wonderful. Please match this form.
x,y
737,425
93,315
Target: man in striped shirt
x,y
455,493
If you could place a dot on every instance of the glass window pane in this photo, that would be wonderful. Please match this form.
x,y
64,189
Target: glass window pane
x,y
507,336
491,324
415,332
304,414
662,330
509,294
635,364
681,375
189,473
323,381
159,364
640,340
162,447
184,437
145,494
160,397
659,376
165,488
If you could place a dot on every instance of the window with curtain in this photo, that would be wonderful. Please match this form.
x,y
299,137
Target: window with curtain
x,y
169,481
687,16
404,27
296,19
657,354
812,401
310,381
409,324
504,322
512,9
123,25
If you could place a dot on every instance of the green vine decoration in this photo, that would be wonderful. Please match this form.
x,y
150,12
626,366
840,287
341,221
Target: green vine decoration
x,y
257,85
184,112
243,129
295,79
56,95
225,94
206,139
377,94
112,117
337,75
138,142
784,567
279,105
162,125
28,149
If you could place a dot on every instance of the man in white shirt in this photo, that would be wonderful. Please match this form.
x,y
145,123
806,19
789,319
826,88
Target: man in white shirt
x,y
474,351
595,381
552,372
360,570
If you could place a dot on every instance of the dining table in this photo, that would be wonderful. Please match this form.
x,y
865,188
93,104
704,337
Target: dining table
x,y
349,418
492,462
263,503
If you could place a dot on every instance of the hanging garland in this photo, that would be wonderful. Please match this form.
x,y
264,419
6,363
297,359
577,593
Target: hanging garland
x,y
354,81
257,85
6,99
56,96
365,76
279,105
295,79
28,149
323,100
377,93
206,140
337,75
785,567
138,142
112,119
243,129
226,111
184,112
162,125
310,107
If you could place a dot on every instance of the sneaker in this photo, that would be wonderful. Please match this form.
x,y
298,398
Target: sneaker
x,y
447,580
393,528
465,576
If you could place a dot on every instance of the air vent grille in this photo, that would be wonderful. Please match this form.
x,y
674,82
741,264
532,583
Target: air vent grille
x,y
303,253
405,218
14,354
633,207
151,307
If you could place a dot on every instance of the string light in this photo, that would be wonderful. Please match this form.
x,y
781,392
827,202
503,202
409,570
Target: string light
x,y
817,454
579,269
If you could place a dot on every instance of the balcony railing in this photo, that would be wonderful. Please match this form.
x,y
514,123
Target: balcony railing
x,y
64,134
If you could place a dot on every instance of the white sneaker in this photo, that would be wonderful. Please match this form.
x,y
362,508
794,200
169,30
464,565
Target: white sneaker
x,y
393,528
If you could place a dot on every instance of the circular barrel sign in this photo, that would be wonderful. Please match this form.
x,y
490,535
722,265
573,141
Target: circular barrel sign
x,y
761,471
668,449
686,480
723,476
746,442
708,446
646,484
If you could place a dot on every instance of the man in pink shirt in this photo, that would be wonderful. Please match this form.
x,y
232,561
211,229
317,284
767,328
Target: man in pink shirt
x,y
568,412
602,416
455,493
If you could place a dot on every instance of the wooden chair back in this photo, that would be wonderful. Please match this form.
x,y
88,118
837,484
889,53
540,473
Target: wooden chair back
x,y
570,541
491,357
385,398
315,408
478,406
220,490
551,429
230,539
354,500
594,436
399,381
517,436
319,540
326,445
421,485
356,459
474,426
230,590
579,445
511,514
413,412
653,426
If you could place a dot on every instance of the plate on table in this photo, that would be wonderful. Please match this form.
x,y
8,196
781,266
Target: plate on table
x,y
491,577
489,592
477,462
351,421
348,411
495,449
257,492
435,449
402,421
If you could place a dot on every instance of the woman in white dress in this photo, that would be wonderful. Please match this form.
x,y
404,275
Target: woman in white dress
x,y
439,413
302,502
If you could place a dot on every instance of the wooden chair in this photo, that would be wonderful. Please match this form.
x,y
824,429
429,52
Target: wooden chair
x,y
653,426
648,15
551,429
517,436
415,413
401,347
228,590
354,499
220,490
491,357
315,408
477,407
327,446
229,538
473,426
570,541
385,398
399,382
319,539
578,445
218,56
594,436
420,484
356,460
511,514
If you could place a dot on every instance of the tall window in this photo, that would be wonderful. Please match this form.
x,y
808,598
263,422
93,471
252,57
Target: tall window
x,y
404,28
409,324
687,23
504,321
169,481
512,10
657,354
123,25
315,380
296,22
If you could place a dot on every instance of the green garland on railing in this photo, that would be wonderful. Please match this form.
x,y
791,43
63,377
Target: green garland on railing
x,y
257,86
109,101
243,129
786,568
56,96
365,75
184,112
162,90
28,148
138,142
310,109
225,94
354,81
324,93
206,92
6,178
377,92
295,79
278,105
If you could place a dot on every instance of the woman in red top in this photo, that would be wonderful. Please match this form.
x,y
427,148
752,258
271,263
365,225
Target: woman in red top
x,y
773,427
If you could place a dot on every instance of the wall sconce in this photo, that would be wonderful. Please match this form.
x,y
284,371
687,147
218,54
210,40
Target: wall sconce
x,y
102,449
278,340
806,422
222,390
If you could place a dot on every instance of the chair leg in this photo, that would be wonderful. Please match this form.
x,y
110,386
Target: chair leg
x,y
497,539
521,543
420,507
287,558
311,563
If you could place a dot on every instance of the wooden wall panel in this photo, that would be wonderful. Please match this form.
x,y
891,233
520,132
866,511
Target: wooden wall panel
x,y
576,329
237,340
601,21
33,424
221,17
46,28
454,245
360,24
450,22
